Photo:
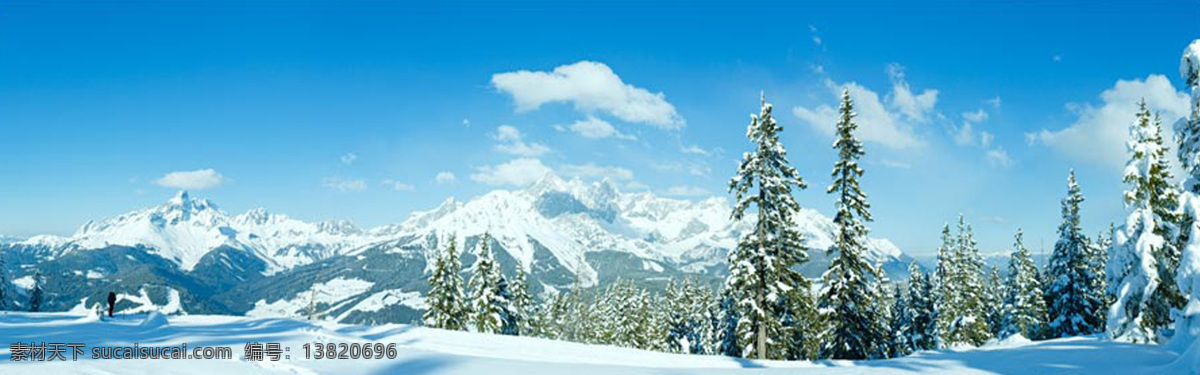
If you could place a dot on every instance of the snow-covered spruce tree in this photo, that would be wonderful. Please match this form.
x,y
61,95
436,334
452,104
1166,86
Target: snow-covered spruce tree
x,y
802,327
706,312
674,315
1073,303
962,298
487,305
883,316
616,308
672,311
760,267
437,315
554,316
1186,338
947,289
847,301
624,318
685,315
1104,244
715,324
447,303
522,305
902,322
974,327
508,319
728,332
924,309
1143,257
994,290
35,293
1024,303
1098,261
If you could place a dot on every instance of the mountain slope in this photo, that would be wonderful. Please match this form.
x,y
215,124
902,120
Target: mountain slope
x,y
184,229
562,233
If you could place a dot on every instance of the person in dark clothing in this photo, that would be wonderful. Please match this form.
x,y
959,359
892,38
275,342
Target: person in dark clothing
x,y
112,302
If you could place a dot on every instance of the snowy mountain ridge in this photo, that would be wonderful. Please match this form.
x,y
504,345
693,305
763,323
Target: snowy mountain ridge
x,y
188,252
567,218
184,229
572,218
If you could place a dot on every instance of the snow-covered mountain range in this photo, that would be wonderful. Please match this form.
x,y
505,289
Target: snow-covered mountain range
x,y
184,229
561,232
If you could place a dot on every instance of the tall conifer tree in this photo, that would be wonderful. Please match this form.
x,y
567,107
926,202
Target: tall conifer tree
x,y
1024,305
1073,303
522,304
447,304
487,300
1144,257
848,298
761,266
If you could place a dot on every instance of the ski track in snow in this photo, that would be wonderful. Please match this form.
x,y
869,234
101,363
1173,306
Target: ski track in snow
x,y
432,351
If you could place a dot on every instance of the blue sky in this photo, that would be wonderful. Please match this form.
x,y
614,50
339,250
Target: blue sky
x,y
354,109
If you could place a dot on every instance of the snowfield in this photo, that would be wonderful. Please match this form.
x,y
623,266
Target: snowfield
x,y
432,351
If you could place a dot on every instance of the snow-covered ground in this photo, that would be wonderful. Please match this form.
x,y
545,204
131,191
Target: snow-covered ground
x,y
432,351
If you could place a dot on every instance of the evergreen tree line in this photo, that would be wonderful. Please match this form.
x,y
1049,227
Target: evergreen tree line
x,y
489,304
766,309
35,295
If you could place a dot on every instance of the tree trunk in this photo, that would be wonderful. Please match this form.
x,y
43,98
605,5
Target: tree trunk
x,y
762,282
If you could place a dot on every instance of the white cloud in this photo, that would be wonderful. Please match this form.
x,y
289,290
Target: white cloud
x,y
344,184
1099,133
191,180
349,158
915,107
505,133
687,191
445,177
398,185
517,172
511,142
964,135
978,116
994,102
997,157
596,128
968,135
595,172
890,128
694,149
592,87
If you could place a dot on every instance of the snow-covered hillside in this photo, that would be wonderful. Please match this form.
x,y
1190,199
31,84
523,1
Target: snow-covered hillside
x,y
431,351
